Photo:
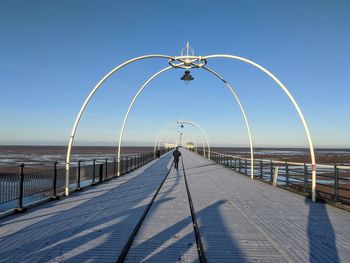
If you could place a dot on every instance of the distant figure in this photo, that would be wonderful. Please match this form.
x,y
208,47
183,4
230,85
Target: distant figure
x,y
158,153
176,155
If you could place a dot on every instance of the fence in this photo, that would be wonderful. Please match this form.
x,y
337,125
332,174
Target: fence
x,y
333,182
25,187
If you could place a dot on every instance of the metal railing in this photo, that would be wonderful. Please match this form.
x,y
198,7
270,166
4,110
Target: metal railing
x,y
20,189
332,183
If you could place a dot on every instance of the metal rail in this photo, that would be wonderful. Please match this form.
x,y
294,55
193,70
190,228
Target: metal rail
x,y
200,248
128,244
29,185
333,181
201,254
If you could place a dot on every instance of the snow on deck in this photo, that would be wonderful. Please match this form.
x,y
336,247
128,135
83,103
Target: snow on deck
x,y
240,220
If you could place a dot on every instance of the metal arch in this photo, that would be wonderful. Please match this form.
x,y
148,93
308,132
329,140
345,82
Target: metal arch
x,y
158,139
204,133
189,136
296,106
130,106
82,109
244,116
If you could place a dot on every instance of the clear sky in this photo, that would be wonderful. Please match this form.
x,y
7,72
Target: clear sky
x,y
53,52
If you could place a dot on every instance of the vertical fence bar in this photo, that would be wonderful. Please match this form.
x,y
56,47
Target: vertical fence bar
x,y
261,169
78,177
239,165
20,208
271,171
305,178
336,183
245,167
106,171
287,173
100,172
93,172
54,180
114,166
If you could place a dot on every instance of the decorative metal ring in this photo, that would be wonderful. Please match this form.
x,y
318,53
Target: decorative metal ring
x,y
187,62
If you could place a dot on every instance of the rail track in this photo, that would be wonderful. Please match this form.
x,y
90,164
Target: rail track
x,y
200,250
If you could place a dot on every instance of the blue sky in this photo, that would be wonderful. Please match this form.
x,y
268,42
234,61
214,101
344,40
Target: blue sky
x,y
53,52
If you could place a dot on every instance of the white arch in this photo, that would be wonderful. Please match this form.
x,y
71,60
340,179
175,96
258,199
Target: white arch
x,y
162,130
296,106
160,135
244,116
82,109
202,130
188,62
130,106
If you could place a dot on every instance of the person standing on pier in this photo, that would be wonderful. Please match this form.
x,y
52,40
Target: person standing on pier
x,y
176,155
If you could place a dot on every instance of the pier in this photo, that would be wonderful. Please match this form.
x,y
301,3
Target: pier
x,y
145,215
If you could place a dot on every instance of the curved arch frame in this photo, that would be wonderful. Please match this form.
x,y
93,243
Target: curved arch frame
x,y
244,116
187,135
161,133
87,100
295,104
121,134
187,61
203,132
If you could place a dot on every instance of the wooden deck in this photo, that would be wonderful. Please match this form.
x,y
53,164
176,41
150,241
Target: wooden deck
x,y
240,220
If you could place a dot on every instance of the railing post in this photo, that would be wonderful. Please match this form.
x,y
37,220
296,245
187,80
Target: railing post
x,y
305,177
245,167
106,172
235,165
114,166
78,177
55,196
287,174
239,165
100,172
271,171
336,183
20,208
93,172
261,169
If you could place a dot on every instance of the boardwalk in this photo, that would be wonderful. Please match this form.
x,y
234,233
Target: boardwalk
x,y
239,220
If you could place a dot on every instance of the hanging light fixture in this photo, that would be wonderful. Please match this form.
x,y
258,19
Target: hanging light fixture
x,y
187,77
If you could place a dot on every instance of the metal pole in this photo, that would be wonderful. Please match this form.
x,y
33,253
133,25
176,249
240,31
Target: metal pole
x,y
106,172
55,180
305,177
93,172
271,171
287,174
336,183
20,208
78,177
100,172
